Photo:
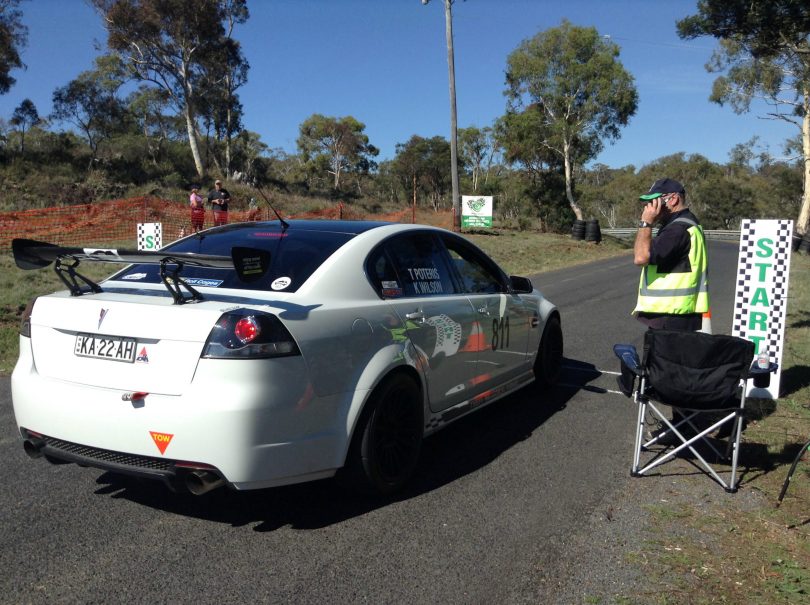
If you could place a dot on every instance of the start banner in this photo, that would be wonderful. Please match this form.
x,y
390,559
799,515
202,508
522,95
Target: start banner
x,y
760,300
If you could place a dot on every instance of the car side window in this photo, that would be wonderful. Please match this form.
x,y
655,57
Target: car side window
x,y
478,274
382,275
420,264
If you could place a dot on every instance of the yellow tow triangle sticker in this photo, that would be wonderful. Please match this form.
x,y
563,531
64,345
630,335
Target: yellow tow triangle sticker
x,y
161,440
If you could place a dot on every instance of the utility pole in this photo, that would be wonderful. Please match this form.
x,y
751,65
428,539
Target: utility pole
x,y
451,72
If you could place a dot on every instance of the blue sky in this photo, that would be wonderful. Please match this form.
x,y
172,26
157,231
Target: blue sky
x,y
384,62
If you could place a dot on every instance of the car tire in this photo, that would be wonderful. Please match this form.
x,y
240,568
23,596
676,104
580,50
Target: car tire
x,y
548,364
388,438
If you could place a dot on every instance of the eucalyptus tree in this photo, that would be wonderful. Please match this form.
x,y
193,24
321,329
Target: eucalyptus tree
x,y
421,164
175,45
576,93
13,37
480,150
338,144
24,117
764,54
90,102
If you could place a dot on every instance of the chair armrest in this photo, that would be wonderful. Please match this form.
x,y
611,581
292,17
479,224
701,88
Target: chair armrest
x,y
755,370
629,356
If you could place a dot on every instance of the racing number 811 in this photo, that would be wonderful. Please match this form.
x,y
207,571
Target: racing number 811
x,y
500,333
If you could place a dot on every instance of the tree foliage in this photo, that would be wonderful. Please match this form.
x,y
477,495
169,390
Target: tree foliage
x,y
764,54
177,46
336,145
421,166
24,117
91,104
577,94
13,37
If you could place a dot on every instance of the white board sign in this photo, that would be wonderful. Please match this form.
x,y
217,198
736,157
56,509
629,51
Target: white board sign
x,y
760,300
476,211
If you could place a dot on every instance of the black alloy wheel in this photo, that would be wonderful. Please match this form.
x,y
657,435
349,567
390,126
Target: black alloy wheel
x,y
390,436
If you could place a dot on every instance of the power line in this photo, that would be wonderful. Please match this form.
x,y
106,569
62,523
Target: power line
x,y
656,43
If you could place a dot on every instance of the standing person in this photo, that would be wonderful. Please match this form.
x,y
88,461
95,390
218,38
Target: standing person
x,y
195,201
674,287
673,292
219,198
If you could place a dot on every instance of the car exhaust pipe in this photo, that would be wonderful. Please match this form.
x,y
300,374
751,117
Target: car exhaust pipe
x,y
201,482
33,447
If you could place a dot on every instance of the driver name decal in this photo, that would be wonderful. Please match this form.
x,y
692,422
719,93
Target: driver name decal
x,y
426,280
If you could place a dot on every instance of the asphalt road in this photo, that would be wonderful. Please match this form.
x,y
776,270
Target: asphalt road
x,y
498,496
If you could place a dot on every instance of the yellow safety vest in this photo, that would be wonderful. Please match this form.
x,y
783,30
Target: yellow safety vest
x,y
677,293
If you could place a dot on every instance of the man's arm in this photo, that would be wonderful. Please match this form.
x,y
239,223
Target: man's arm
x,y
643,244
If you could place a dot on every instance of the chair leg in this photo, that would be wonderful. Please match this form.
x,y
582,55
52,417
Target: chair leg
x,y
642,410
688,443
736,450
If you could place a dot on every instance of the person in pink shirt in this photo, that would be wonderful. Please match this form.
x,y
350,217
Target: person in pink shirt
x,y
197,209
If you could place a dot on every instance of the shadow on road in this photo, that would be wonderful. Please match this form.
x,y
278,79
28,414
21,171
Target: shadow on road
x,y
458,450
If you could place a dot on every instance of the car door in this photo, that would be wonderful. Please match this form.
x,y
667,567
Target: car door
x,y
438,320
503,320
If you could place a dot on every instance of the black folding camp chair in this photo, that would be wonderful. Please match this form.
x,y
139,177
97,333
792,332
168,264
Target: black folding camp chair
x,y
693,373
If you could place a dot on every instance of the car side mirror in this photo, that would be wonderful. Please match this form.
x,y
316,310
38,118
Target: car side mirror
x,y
521,285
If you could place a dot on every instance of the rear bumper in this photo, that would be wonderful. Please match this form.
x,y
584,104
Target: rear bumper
x,y
162,469
257,423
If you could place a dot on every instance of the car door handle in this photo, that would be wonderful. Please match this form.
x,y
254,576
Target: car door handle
x,y
416,316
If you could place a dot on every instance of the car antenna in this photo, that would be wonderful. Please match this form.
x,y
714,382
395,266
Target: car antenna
x,y
284,223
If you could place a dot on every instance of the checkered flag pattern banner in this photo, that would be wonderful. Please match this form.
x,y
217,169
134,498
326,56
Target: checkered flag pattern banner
x,y
150,236
760,301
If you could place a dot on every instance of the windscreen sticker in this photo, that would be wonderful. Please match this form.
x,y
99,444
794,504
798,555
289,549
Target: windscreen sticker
x,y
161,440
252,265
200,281
390,289
268,234
134,276
281,283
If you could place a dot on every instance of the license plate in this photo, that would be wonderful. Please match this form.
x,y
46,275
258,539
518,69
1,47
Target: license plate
x,y
115,348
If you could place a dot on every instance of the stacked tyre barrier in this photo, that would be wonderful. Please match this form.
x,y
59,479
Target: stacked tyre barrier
x,y
592,231
578,230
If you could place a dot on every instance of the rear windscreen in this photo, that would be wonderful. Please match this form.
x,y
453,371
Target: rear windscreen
x,y
294,256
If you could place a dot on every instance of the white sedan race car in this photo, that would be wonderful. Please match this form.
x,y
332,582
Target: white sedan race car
x,y
262,354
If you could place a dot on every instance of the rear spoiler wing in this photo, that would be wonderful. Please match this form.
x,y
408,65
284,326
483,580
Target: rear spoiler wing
x,y
250,264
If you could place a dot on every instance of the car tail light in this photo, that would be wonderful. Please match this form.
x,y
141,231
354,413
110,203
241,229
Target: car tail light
x,y
25,321
249,334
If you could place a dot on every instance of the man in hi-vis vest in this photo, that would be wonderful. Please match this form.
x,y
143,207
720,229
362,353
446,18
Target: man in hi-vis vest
x,y
673,290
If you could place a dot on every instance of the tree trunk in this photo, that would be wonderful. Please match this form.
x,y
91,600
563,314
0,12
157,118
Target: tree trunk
x,y
569,189
192,140
803,224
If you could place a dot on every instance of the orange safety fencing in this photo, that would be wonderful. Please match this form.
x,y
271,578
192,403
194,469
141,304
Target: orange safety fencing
x,y
117,220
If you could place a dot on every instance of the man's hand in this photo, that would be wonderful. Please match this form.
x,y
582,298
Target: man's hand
x,y
652,211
